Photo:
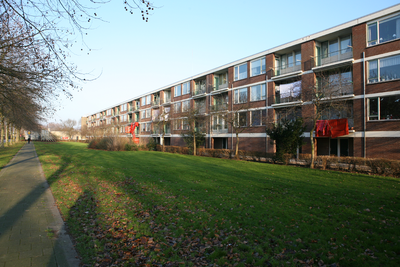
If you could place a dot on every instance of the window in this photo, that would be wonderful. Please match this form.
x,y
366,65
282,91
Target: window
x,y
219,124
98,115
177,124
241,119
258,117
145,127
384,69
124,107
384,108
186,88
289,92
384,30
257,66
143,114
185,105
178,107
108,112
221,81
340,45
177,90
335,83
156,114
241,72
148,113
167,96
143,101
240,95
108,121
289,114
257,92
185,125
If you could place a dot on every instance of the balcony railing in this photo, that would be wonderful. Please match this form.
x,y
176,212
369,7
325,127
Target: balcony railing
x,y
289,68
155,102
165,101
288,99
220,86
218,128
199,90
337,91
333,57
219,107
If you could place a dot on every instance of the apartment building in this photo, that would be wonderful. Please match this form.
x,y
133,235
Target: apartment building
x,y
356,65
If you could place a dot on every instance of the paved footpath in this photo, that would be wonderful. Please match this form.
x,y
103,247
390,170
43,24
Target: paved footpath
x,y
31,229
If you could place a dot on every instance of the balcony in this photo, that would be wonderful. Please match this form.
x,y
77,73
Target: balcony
x,y
219,107
342,57
219,128
166,101
155,103
220,87
286,70
199,91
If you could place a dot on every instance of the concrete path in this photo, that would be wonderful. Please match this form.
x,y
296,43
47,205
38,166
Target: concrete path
x,y
31,229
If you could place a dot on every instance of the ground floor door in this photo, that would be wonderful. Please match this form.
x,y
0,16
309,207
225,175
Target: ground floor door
x,y
334,147
220,143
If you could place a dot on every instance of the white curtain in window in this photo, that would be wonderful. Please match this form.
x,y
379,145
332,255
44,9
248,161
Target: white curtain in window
x,y
285,90
387,62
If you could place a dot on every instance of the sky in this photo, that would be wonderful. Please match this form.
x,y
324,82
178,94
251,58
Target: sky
x,y
129,57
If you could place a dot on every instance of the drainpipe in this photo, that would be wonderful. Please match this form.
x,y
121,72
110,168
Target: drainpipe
x,y
364,111
266,111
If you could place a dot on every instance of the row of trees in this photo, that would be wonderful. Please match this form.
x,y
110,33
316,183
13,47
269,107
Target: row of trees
x,y
35,41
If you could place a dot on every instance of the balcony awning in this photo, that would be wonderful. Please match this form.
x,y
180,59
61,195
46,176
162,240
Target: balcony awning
x,y
332,128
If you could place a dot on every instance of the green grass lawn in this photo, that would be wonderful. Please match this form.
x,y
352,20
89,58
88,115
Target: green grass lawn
x,y
7,153
160,209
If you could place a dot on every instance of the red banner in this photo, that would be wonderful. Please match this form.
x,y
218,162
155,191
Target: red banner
x,y
332,128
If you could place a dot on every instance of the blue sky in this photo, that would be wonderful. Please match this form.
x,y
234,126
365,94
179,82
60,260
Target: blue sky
x,y
184,38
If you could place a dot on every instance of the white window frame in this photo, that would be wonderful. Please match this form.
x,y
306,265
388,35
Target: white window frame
x,y
377,22
262,118
185,88
237,95
262,70
178,90
378,115
237,73
262,92
176,109
379,78
185,105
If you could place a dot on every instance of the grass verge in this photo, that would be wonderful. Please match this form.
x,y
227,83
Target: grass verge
x,y
159,209
7,153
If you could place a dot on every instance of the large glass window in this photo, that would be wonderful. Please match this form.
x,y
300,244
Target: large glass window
x,y
384,30
257,92
258,117
241,72
257,66
185,105
178,107
289,114
335,83
384,69
384,108
288,92
186,88
218,123
242,119
177,90
240,95
340,45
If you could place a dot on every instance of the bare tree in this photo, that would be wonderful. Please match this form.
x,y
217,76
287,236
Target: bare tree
x,y
162,125
238,117
194,126
67,127
326,99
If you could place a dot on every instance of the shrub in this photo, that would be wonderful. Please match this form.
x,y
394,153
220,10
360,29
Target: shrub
x,y
151,145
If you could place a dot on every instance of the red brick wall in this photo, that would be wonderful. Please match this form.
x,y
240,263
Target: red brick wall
x,y
307,54
388,148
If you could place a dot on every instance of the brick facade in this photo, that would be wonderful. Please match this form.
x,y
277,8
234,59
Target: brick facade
x,y
282,69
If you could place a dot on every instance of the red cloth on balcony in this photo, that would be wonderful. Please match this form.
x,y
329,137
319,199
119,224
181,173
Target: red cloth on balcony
x,y
322,129
339,127
332,128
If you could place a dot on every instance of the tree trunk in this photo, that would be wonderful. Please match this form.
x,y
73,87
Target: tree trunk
x,y
237,146
2,133
194,143
6,134
312,149
163,144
